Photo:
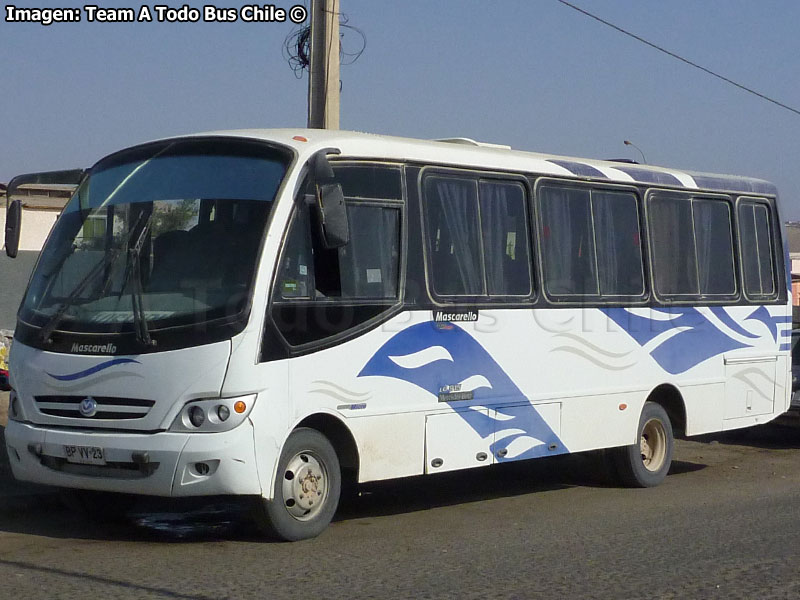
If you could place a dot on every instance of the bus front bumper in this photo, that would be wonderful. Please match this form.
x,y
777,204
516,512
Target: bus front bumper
x,y
156,464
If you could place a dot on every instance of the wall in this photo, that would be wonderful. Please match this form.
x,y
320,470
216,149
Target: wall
x,y
36,225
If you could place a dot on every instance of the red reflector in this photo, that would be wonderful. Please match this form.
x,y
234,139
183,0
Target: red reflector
x,y
299,138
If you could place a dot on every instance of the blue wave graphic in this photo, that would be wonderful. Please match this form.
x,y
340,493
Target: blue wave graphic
x,y
95,369
701,339
469,359
728,321
762,314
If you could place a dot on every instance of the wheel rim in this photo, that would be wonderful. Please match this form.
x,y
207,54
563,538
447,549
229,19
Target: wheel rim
x,y
305,486
653,445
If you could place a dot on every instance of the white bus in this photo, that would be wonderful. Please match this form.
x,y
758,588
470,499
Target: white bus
x,y
265,313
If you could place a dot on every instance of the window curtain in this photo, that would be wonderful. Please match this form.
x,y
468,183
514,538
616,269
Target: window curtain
x,y
712,226
368,264
459,218
568,242
619,255
494,216
673,245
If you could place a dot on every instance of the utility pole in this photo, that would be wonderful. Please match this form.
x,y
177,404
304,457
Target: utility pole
x,y
323,80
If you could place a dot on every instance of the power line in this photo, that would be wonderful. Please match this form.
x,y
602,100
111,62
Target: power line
x,y
680,58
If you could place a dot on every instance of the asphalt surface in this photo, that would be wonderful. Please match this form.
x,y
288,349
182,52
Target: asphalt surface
x,y
725,524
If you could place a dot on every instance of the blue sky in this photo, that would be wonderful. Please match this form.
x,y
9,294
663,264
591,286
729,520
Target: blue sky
x,y
533,74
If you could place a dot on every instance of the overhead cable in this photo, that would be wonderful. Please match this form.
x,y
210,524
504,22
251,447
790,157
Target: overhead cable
x,y
680,58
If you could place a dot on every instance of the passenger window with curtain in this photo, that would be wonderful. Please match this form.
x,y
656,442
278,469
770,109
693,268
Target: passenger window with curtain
x,y
477,237
714,242
672,244
570,263
319,291
505,238
454,236
618,241
591,244
758,258
692,246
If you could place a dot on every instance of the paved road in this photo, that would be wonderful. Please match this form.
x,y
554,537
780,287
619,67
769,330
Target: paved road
x,y
724,525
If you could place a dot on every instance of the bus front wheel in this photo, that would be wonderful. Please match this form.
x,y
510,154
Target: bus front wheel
x,y
646,462
308,483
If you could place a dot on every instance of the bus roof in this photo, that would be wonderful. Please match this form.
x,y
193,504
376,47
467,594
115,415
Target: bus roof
x,y
463,152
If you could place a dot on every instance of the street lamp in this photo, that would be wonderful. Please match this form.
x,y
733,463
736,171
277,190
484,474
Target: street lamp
x,y
629,143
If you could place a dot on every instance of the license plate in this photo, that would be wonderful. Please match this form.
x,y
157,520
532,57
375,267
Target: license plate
x,y
85,455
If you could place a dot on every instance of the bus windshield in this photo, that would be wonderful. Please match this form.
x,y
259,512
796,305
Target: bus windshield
x,y
160,236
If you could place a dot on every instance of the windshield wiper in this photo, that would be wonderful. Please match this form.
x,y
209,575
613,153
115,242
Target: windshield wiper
x,y
47,330
50,326
133,270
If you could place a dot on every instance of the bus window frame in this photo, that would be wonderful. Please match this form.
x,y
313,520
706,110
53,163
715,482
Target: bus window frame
x,y
270,332
477,176
697,299
597,300
776,241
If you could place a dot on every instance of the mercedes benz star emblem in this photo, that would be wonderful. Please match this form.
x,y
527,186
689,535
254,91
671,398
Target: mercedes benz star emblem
x,y
88,407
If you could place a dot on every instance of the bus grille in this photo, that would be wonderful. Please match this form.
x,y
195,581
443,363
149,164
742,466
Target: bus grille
x,y
107,407
115,470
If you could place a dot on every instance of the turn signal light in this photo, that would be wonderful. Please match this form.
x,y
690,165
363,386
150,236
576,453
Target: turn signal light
x,y
240,406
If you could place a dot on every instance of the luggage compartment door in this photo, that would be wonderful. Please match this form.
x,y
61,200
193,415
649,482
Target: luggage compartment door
x,y
749,386
458,440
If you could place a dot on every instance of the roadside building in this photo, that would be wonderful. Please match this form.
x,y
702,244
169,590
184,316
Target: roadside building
x,y
793,237
41,205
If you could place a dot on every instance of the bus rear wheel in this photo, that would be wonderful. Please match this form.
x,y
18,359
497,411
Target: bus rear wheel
x,y
646,462
308,484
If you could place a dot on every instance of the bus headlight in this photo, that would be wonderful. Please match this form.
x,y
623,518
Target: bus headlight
x,y
196,416
213,415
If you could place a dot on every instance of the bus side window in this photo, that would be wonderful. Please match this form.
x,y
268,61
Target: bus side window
x,y
454,236
591,243
570,262
296,278
757,249
368,264
477,237
692,246
672,246
319,291
615,216
714,241
504,227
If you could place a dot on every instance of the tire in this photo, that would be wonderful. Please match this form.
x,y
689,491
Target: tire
x,y
647,462
308,484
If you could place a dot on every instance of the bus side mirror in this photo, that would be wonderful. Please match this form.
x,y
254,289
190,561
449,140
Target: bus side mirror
x,y
13,225
330,203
